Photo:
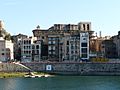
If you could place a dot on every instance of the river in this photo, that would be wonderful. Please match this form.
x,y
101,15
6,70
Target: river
x,y
62,83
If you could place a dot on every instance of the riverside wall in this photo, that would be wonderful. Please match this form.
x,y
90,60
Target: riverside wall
x,y
64,68
12,67
76,68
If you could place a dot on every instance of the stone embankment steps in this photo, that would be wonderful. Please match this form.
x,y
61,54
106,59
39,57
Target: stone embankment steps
x,y
13,67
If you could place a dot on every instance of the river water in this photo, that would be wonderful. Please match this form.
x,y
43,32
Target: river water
x,y
62,83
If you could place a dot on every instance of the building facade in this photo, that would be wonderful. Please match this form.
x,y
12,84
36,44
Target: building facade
x,y
109,49
6,50
116,40
30,49
6,46
17,40
66,42
26,49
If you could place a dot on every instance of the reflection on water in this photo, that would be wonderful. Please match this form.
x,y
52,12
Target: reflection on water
x,y
8,84
62,83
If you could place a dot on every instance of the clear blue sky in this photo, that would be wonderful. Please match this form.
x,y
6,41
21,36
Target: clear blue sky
x,y
22,16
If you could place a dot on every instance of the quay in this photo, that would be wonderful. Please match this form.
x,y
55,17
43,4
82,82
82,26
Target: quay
x,y
64,68
75,68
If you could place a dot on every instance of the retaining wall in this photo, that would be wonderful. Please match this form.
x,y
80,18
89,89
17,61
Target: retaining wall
x,y
12,67
65,68
77,68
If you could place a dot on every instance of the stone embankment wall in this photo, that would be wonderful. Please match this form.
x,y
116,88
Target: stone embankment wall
x,y
12,67
77,68
64,68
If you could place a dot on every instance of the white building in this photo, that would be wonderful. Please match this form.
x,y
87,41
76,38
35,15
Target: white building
x,y
9,49
30,49
76,47
6,50
84,45
36,51
71,47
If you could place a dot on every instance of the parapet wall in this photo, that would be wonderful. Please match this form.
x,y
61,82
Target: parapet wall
x,y
77,68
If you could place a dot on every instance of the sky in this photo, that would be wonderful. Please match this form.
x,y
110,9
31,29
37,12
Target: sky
x,y
22,16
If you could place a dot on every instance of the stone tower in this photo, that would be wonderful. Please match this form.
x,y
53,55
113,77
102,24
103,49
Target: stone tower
x,y
1,25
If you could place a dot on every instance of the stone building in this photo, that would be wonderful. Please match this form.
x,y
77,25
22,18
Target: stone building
x,y
71,48
42,35
26,49
36,51
6,46
53,47
17,40
96,44
56,38
109,49
116,40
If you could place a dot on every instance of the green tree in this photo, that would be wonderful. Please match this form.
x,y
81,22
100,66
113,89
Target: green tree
x,y
7,37
5,34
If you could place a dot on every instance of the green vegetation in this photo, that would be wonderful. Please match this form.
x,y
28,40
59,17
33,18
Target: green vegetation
x,y
99,59
19,74
40,73
12,74
5,34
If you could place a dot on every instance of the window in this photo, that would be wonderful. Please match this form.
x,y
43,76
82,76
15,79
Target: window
x,y
29,47
24,47
85,39
88,27
49,42
84,55
53,38
33,52
33,47
37,46
3,54
72,52
72,57
49,38
2,49
49,52
49,48
83,26
53,42
67,42
83,44
24,52
67,49
42,37
53,47
75,47
29,41
76,52
37,51
72,47
84,50
54,52
24,42
29,52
